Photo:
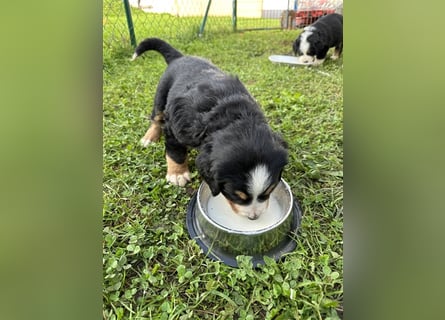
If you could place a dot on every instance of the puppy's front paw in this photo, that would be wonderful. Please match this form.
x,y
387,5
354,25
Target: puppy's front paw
x,y
179,179
177,173
334,57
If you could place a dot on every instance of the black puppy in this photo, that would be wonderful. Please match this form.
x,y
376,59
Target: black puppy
x,y
198,106
313,43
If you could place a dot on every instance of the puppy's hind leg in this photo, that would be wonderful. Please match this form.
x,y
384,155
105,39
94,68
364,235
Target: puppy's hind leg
x,y
335,55
157,115
154,131
337,52
177,167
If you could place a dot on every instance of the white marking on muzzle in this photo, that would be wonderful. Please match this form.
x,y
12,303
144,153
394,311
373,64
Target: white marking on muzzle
x,y
304,44
259,178
258,182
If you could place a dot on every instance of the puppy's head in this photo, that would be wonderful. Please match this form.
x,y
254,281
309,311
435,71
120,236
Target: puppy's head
x,y
245,171
305,46
248,194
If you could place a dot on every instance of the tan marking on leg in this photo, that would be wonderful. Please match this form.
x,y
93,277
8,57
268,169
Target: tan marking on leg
x,y
152,135
177,173
159,117
336,54
154,131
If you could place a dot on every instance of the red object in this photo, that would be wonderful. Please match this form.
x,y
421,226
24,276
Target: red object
x,y
307,17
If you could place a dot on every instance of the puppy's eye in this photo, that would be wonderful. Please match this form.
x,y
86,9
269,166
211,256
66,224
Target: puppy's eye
x,y
263,197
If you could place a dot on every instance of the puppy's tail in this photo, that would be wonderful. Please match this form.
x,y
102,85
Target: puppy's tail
x,y
168,52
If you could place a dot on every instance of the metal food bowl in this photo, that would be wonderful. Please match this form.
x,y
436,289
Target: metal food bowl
x,y
223,243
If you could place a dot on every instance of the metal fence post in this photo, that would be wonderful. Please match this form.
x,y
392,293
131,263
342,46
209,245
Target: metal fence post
x,y
130,23
204,20
234,6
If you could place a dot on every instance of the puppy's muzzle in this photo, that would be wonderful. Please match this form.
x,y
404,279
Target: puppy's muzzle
x,y
306,59
253,216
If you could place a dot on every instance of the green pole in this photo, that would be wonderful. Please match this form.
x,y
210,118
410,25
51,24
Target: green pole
x,y
234,6
130,23
204,19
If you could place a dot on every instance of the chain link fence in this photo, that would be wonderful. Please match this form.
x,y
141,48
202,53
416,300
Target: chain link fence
x,y
127,21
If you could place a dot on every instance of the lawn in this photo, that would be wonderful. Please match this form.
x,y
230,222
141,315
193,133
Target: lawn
x,y
151,268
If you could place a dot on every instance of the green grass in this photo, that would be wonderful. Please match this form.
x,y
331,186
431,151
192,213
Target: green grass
x,y
151,268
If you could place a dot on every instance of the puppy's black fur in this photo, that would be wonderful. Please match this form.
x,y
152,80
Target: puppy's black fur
x,y
202,107
323,34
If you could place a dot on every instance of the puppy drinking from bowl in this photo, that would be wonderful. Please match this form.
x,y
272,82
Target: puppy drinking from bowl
x,y
313,44
198,106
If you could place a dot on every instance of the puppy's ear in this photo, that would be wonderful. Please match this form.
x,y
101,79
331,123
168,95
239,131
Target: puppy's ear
x,y
205,164
214,187
280,153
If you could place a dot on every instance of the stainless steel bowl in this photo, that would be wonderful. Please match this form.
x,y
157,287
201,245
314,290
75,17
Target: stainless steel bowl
x,y
222,243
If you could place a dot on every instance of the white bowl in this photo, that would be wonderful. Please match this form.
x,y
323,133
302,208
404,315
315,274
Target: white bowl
x,y
292,60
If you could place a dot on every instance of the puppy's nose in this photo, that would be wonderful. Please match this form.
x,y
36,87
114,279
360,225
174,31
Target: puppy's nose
x,y
253,217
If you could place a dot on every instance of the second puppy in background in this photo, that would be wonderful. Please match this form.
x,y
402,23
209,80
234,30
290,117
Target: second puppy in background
x,y
313,44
